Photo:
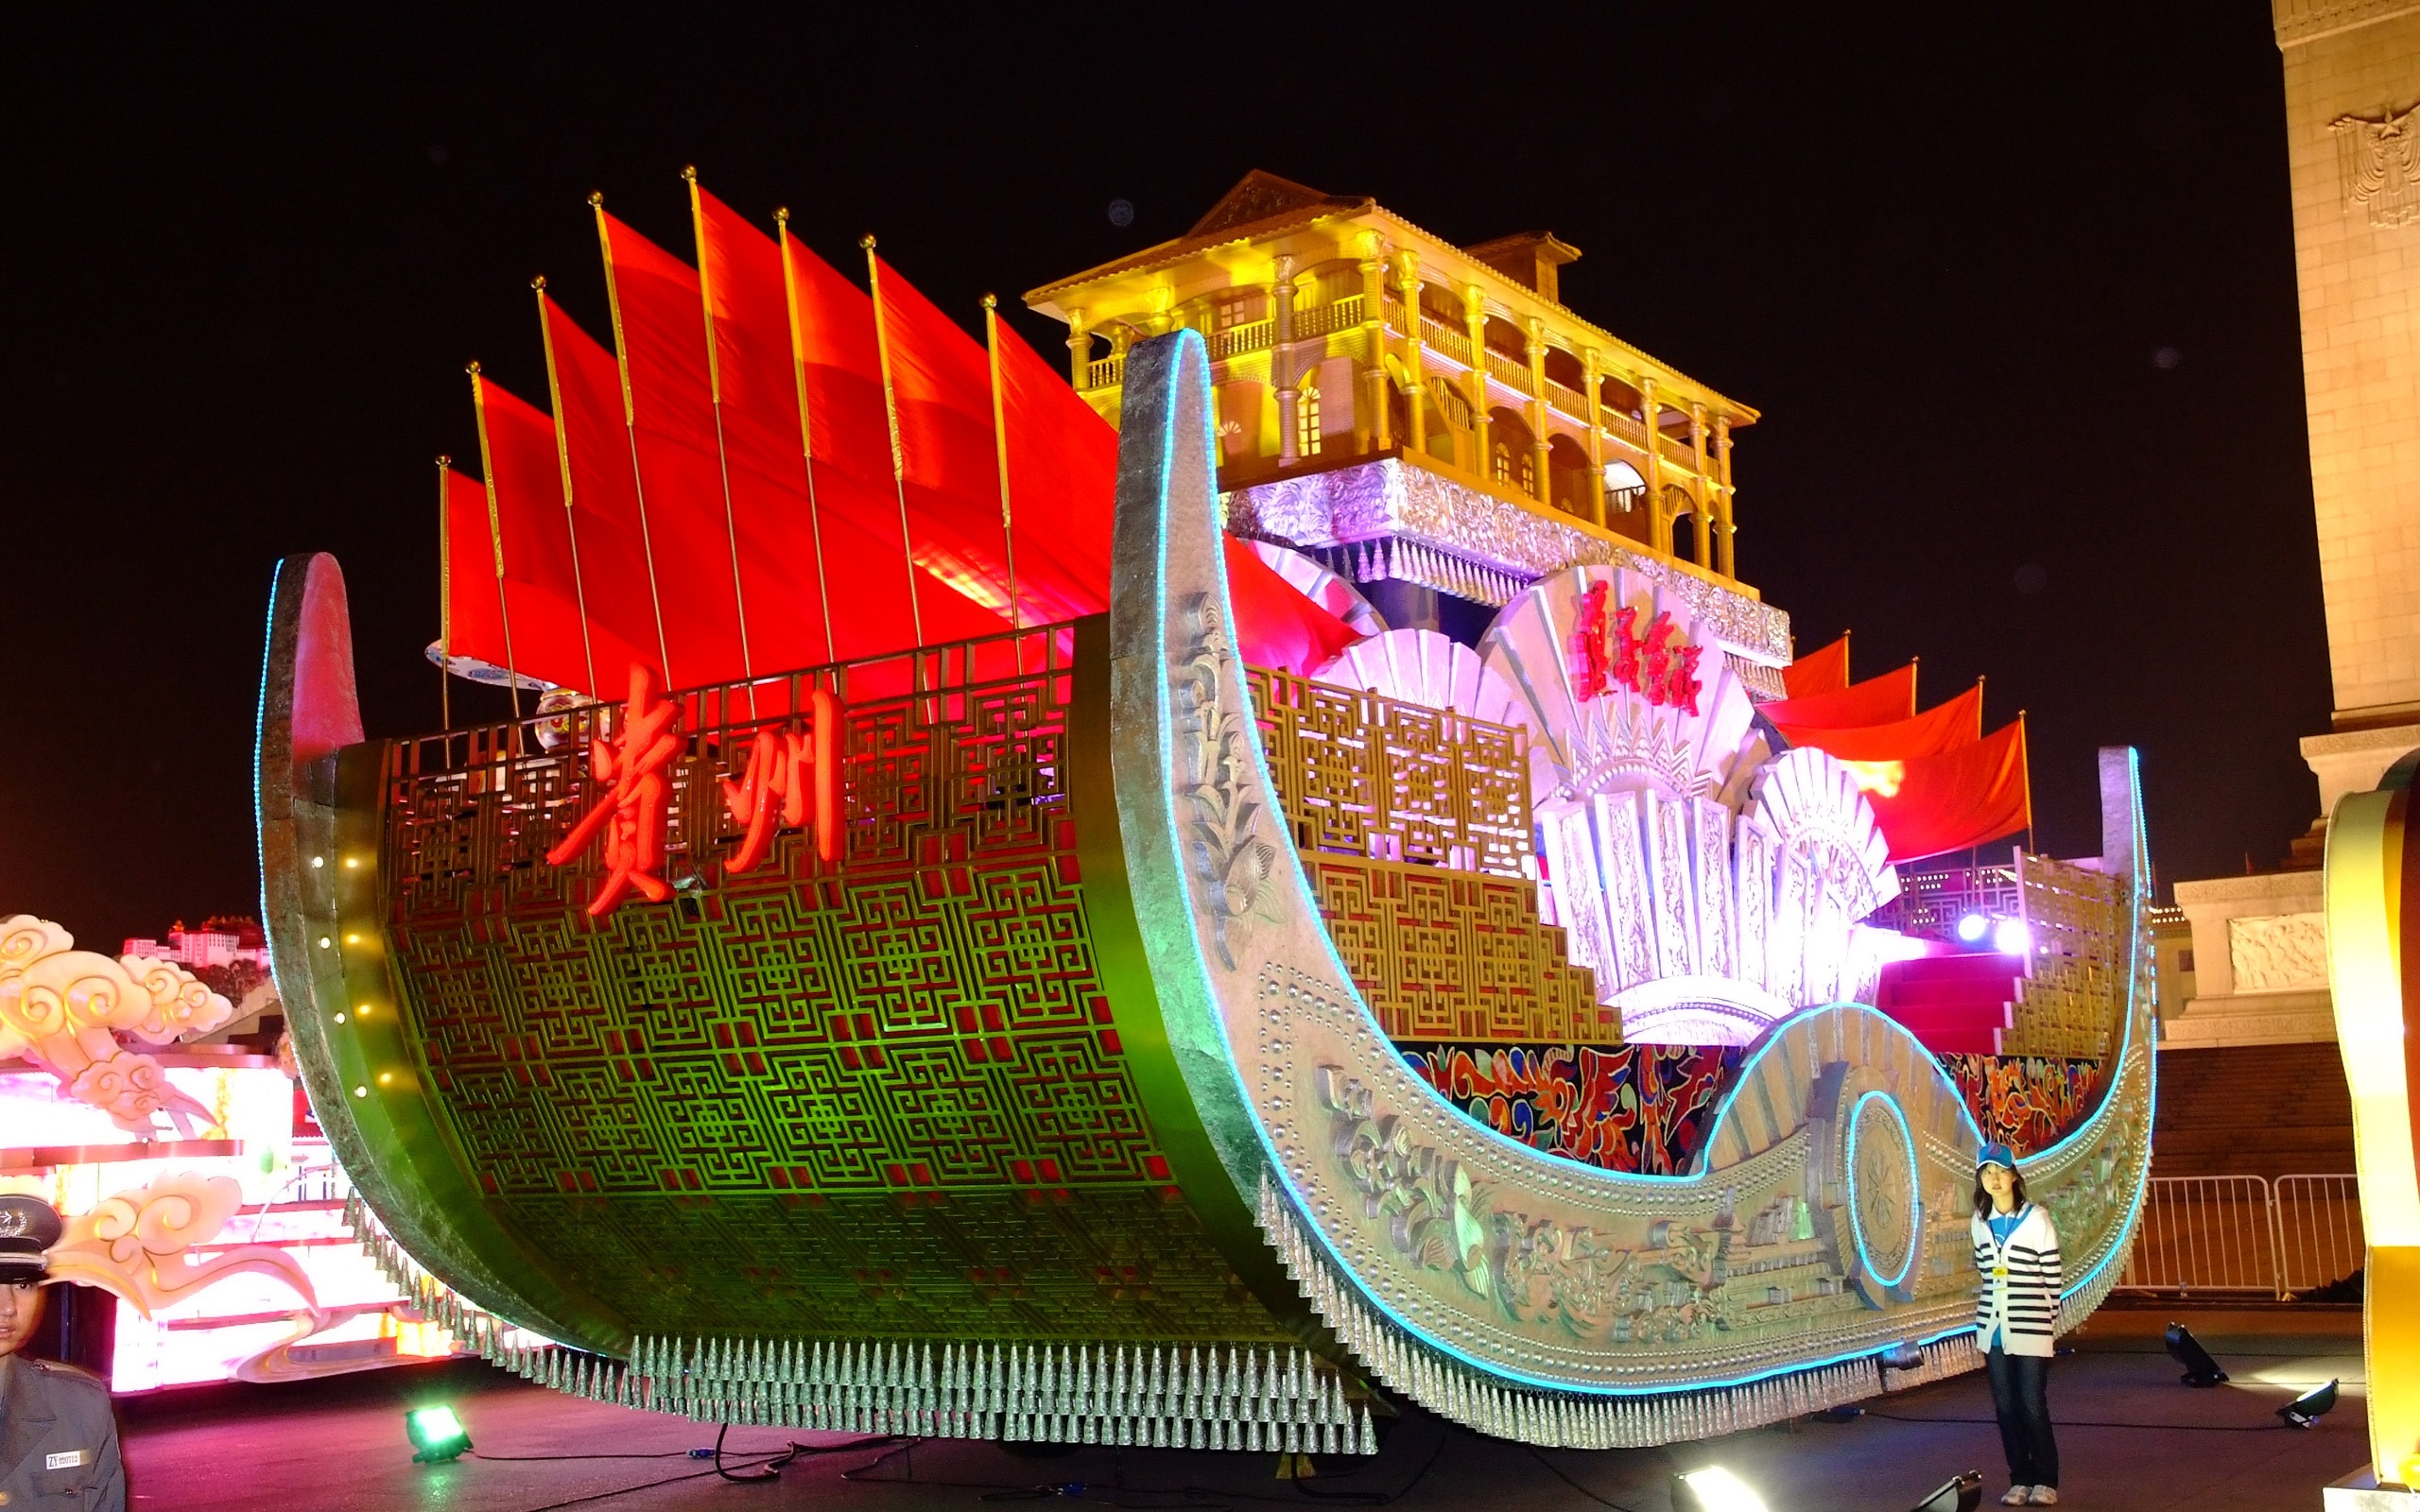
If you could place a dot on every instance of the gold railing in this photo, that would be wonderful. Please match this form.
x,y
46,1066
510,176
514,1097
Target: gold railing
x,y
1362,775
1567,401
1439,336
1320,319
1512,374
1106,373
1238,339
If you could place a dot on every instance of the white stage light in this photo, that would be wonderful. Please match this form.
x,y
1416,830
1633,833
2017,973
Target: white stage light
x,y
1973,928
2010,937
1714,1489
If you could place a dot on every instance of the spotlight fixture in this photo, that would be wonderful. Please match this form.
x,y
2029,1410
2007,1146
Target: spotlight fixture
x,y
2308,1409
2010,937
435,1434
2182,1348
1960,1493
1902,1356
1972,928
1714,1489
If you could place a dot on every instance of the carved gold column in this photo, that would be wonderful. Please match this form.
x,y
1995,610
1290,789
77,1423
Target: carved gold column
x,y
1536,351
1474,321
1595,418
1377,432
1080,349
1281,359
1730,527
1407,286
1659,526
1705,489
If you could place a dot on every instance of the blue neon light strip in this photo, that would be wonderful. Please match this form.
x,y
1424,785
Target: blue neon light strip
x,y
1915,1187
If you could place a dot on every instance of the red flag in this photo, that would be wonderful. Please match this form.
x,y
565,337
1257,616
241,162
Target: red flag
x,y
1943,728
1063,486
472,630
1277,623
658,335
1930,805
780,570
1880,701
592,454
544,585
941,386
837,376
1824,671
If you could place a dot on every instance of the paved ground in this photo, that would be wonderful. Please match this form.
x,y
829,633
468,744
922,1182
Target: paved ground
x,y
2130,1435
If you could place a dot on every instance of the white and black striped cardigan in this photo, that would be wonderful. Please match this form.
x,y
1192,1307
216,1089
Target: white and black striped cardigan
x,y
2019,1295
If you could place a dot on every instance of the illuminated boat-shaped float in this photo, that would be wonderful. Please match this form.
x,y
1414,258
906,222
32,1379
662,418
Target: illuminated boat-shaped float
x,y
1039,1095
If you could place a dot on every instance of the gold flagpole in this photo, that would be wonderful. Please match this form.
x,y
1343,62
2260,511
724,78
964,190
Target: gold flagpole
x,y
444,602
1000,443
630,422
890,413
495,546
805,433
722,456
563,459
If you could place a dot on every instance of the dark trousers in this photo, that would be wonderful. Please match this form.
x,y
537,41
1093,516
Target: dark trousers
x,y
2021,1397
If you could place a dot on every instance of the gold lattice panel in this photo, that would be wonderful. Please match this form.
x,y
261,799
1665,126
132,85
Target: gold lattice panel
x,y
2069,1003
1445,955
1364,774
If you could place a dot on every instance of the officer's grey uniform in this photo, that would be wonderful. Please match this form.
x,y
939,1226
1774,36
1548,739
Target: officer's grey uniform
x,y
58,1437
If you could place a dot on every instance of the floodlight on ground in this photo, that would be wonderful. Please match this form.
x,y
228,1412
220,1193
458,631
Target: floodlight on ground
x,y
1901,1356
435,1434
2308,1409
1714,1489
1972,928
2182,1348
1960,1494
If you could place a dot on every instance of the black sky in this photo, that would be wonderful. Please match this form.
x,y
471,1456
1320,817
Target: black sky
x,y
2018,305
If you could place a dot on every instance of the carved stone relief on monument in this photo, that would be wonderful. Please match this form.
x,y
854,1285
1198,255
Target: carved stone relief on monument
x,y
2380,163
2278,953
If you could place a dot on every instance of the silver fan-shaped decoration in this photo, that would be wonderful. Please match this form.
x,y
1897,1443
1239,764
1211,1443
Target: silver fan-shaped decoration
x,y
1829,867
1323,587
1429,669
1617,741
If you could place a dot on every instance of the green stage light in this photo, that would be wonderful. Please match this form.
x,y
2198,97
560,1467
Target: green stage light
x,y
435,1434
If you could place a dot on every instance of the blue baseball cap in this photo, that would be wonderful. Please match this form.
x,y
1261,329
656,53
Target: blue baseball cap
x,y
1994,1155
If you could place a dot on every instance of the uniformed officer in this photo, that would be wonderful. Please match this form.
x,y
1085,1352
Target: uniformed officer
x,y
58,1438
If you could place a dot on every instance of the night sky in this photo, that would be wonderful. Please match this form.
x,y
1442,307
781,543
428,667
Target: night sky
x,y
2017,306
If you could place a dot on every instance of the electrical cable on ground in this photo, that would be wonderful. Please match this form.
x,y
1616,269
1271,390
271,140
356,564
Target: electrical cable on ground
x,y
1540,1455
2073,1422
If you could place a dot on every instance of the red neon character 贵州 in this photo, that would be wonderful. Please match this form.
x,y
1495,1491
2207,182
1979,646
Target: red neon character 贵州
x,y
790,774
632,816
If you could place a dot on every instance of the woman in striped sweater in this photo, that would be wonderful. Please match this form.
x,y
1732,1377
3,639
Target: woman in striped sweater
x,y
2017,1311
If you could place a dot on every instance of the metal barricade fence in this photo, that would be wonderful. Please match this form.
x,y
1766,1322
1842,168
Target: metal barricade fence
x,y
2245,1234
2319,1230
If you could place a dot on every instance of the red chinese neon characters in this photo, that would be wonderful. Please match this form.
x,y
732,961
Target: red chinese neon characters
x,y
632,816
1608,653
786,769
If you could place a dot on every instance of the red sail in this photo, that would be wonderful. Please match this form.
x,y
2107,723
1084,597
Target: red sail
x,y
1876,701
543,584
657,331
1063,486
1930,804
593,459
1824,671
1943,728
